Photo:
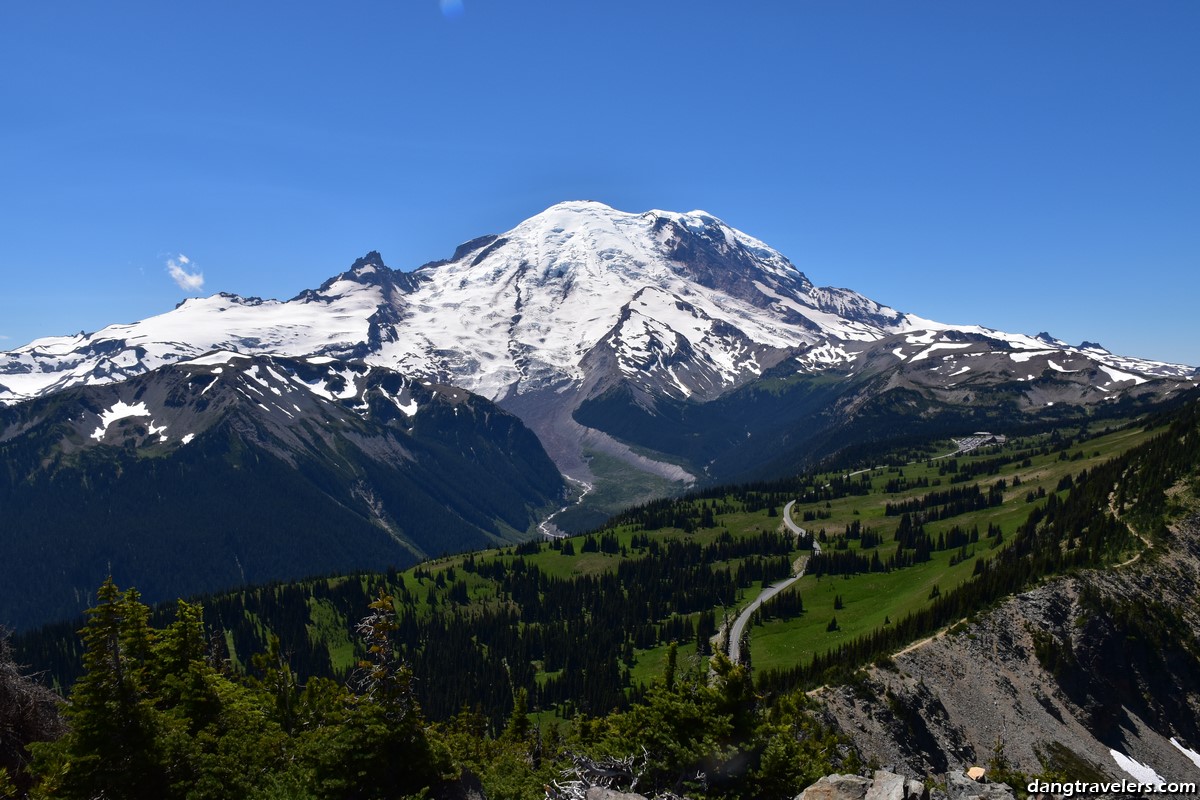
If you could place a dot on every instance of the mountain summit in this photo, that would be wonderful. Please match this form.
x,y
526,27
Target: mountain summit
x,y
509,313
683,304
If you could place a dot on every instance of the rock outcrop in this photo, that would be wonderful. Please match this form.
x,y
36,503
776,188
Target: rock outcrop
x,y
887,785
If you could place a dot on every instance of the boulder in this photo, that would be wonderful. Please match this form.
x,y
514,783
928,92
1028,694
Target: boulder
x,y
960,787
838,787
886,786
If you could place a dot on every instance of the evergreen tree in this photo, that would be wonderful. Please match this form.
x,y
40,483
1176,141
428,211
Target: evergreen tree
x,y
373,744
672,662
113,747
518,724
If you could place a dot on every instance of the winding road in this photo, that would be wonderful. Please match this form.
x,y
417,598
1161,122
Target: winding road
x,y
739,624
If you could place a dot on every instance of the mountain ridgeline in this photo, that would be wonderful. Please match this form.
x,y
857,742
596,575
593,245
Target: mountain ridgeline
x,y
663,345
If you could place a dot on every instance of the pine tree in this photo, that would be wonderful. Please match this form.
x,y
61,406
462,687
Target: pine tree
x,y
518,723
669,670
113,748
373,743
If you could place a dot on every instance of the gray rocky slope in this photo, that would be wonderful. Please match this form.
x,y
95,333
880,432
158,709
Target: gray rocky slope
x,y
1077,675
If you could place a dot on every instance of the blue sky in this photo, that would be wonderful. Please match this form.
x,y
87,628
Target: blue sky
x,y
1024,165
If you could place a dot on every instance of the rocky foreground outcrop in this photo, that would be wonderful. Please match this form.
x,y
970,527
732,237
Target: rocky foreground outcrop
x,y
883,785
1088,677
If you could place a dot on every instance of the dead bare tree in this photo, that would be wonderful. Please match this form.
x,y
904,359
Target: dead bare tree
x,y
29,712
617,774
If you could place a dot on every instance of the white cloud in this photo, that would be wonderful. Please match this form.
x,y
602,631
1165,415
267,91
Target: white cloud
x,y
188,281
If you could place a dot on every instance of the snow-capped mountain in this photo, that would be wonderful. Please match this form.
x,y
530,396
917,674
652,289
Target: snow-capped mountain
x,y
227,468
582,300
682,302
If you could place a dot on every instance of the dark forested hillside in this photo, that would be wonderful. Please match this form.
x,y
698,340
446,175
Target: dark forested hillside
x,y
474,630
274,481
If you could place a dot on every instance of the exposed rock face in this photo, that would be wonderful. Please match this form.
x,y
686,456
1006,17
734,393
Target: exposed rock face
x,y
1080,677
838,787
886,785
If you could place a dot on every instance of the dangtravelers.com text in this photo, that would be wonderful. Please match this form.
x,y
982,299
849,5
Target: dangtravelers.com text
x,y
1071,788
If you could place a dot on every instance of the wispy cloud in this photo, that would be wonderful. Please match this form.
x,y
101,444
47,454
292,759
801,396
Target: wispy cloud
x,y
451,9
185,276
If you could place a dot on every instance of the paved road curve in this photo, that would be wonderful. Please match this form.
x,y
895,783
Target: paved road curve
x,y
739,625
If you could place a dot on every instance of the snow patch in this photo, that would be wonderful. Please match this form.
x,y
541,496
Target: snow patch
x,y
829,354
188,438
120,410
925,337
1021,358
1121,377
408,409
216,357
254,375
1191,754
1137,770
939,346
317,387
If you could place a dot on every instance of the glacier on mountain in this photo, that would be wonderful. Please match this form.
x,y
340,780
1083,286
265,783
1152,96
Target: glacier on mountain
x,y
679,304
